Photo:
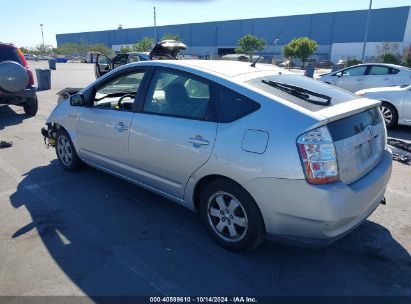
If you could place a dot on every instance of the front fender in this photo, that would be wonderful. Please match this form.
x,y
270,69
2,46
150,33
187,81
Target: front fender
x,y
66,116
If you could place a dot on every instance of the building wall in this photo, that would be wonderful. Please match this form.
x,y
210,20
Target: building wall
x,y
330,30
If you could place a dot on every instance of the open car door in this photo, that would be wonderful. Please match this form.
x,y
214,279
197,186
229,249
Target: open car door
x,y
103,65
167,49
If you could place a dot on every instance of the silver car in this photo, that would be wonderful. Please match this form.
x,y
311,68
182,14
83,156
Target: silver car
x,y
396,103
370,75
257,152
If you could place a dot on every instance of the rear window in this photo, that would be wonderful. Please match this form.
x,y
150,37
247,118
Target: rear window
x,y
355,124
335,94
9,54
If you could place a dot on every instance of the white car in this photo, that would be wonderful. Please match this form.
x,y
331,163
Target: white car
x,y
396,103
371,75
30,57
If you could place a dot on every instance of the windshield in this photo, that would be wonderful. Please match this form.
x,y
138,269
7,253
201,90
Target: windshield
x,y
302,91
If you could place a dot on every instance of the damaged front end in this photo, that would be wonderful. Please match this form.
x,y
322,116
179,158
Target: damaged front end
x,y
49,133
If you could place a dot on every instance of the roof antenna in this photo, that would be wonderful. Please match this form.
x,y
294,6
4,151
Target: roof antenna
x,y
255,62
261,54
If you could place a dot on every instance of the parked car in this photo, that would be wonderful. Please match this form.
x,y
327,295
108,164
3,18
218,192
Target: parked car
x,y
396,103
233,142
325,64
370,75
287,64
61,59
30,57
26,98
165,49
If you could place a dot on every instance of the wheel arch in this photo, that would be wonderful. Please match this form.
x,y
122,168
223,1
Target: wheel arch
x,y
199,186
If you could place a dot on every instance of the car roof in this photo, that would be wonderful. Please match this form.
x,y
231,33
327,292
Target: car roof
x,y
218,67
9,45
378,63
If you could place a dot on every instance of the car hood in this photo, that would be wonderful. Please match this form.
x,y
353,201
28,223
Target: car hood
x,y
168,49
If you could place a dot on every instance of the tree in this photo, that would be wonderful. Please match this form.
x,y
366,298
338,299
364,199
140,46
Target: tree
x,y
387,47
170,36
288,52
301,48
101,48
81,49
144,45
249,44
390,58
125,49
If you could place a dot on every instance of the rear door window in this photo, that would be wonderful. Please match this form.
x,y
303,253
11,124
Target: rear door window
x,y
174,93
357,71
379,70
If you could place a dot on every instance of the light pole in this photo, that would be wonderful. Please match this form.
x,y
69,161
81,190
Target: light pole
x,y
366,32
275,44
42,36
155,25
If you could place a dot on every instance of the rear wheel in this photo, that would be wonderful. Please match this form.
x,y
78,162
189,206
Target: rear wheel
x,y
390,114
31,106
66,153
231,216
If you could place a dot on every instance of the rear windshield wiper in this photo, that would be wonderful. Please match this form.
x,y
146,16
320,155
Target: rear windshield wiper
x,y
299,92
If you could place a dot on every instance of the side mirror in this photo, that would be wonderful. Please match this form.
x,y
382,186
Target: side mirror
x,y
77,100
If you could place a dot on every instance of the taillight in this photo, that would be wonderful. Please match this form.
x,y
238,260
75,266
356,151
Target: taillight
x,y
22,58
317,152
31,77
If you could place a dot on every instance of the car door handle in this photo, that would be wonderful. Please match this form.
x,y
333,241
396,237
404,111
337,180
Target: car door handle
x,y
360,79
385,78
199,141
120,126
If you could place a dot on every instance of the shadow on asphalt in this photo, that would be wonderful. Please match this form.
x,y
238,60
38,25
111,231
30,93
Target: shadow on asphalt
x,y
10,118
112,238
400,132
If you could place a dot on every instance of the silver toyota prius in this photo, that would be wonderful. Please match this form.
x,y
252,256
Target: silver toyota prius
x,y
257,152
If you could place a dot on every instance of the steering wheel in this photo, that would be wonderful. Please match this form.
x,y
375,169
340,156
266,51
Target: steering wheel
x,y
124,97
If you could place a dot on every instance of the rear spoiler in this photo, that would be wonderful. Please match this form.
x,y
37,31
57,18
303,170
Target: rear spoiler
x,y
348,108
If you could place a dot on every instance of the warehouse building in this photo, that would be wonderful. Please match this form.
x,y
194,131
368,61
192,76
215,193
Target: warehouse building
x,y
338,34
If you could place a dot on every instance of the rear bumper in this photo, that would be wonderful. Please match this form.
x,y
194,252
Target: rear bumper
x,y
296,211
19,98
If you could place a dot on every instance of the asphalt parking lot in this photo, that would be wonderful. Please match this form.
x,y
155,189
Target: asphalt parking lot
x,y
88,233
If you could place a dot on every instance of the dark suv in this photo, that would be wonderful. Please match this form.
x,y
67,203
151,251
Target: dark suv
x,y
26,98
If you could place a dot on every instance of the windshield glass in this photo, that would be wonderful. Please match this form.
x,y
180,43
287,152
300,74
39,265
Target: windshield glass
x,y
336,95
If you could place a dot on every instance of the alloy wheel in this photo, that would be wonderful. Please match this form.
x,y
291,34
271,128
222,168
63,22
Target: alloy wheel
x,y
64,150
227,217
386,114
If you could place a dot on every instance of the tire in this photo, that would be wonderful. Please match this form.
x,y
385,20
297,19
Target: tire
x,y
390,114
231,216
31,106
66,152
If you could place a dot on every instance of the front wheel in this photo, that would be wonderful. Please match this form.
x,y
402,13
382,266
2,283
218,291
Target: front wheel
x,y
390,115
231,216
65,151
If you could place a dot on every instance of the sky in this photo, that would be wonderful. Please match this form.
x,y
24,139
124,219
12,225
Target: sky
x,y
21,24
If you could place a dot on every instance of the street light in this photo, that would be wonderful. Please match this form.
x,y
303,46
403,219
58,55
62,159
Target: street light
x,y
366,33
42,36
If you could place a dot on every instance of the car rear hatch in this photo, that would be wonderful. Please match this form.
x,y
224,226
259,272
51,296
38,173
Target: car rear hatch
x,y
167,49
350,137
359,136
